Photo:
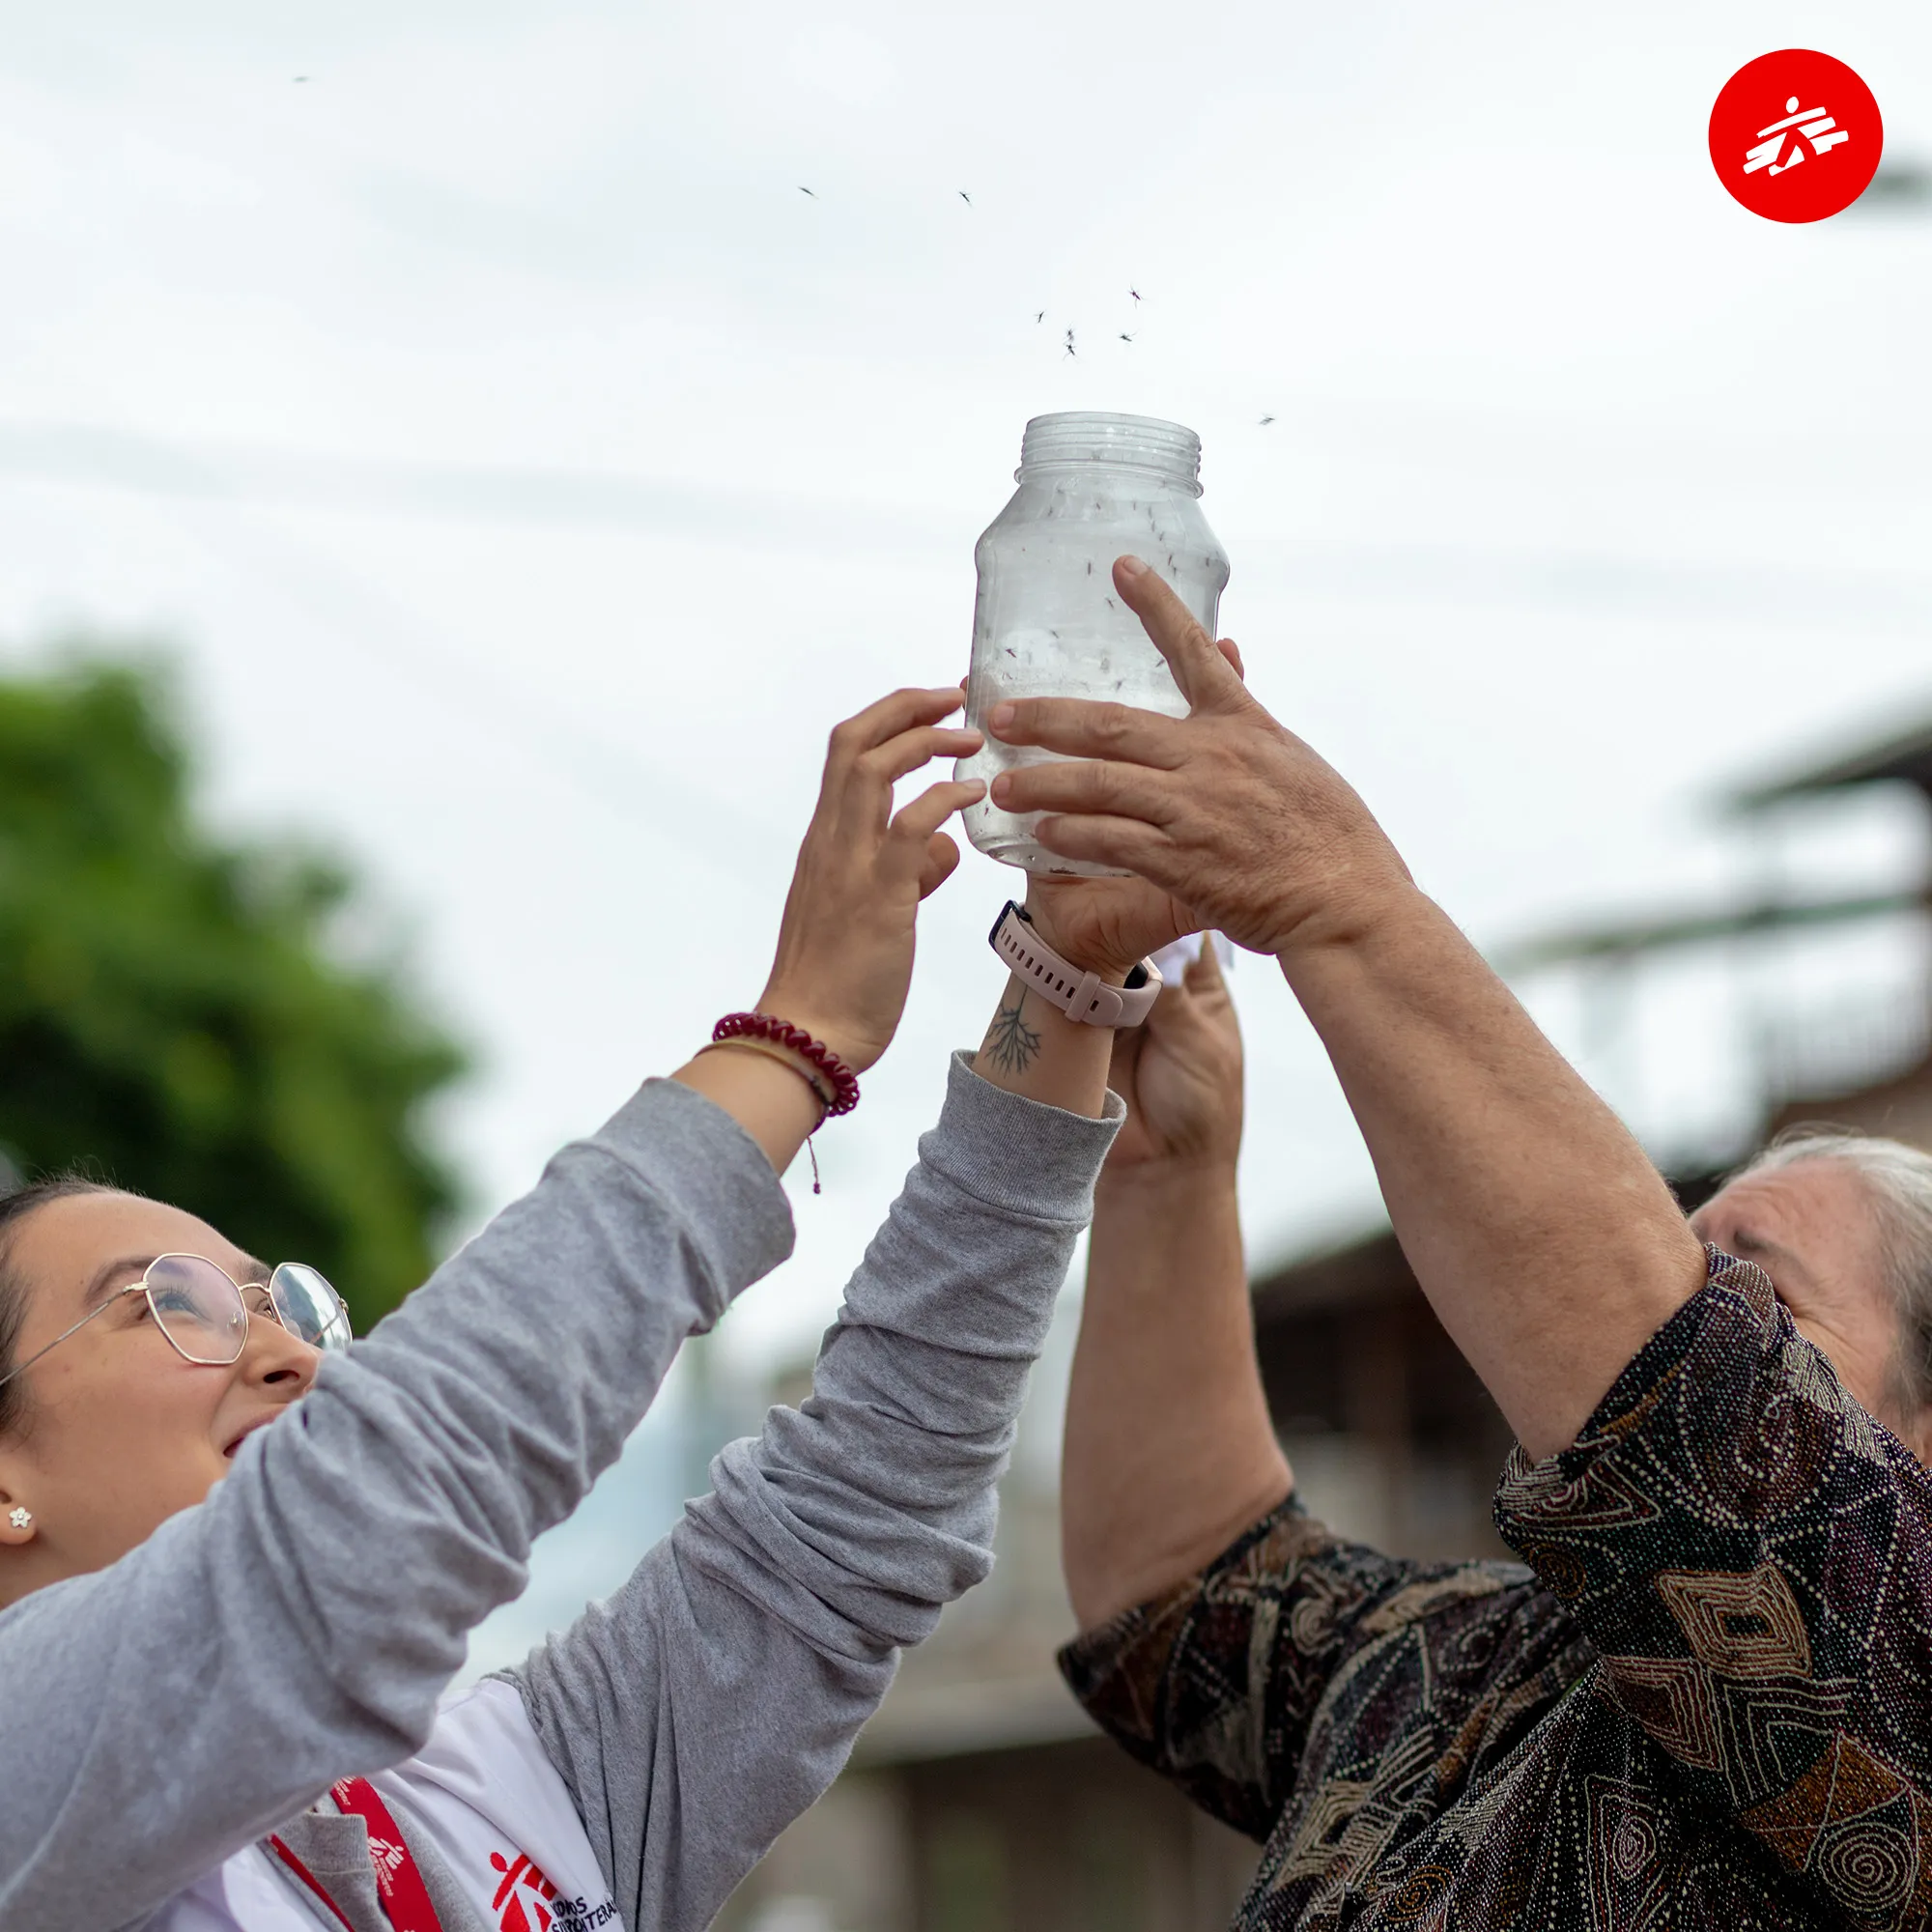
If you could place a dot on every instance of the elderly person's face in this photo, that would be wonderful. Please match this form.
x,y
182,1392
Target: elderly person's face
x,y
1810,1227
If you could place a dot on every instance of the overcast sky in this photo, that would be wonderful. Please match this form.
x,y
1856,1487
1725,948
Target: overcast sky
x,y
526,473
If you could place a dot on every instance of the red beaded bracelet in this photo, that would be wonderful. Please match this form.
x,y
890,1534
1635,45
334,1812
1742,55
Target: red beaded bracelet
x,y
781,1033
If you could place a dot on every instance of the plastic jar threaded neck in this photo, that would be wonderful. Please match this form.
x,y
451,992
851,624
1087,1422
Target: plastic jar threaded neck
x,y
1075,437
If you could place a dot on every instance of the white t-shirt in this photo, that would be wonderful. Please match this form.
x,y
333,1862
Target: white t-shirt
x,y
486,1795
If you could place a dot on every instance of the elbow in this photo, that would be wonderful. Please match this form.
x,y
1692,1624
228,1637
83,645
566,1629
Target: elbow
x,y
1118,1565
1105,1578
1094,1602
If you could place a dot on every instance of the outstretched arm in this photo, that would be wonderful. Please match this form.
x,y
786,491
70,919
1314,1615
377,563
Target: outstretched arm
x,y
298,1625
696,1714
1169,1452
1547,1244
706,1705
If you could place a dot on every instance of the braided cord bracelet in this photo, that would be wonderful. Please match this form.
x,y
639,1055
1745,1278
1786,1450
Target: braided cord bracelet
x,y
778,1056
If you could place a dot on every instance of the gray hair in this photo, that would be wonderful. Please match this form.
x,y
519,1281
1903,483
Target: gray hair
x,y
1899,1181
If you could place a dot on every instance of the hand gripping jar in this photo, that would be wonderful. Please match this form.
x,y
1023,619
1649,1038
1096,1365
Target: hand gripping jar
x,y
1049,623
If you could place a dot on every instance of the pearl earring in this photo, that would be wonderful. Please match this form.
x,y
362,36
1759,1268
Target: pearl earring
x,y
20,1517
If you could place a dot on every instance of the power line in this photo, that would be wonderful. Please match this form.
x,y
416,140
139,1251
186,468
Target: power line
x,y
87,455
252,475
398,641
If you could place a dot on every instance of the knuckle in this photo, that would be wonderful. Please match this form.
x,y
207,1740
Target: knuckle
x,y
886,762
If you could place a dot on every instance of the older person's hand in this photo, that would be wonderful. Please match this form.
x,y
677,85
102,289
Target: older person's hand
x,y
1547,1242
1180,1076
1224,809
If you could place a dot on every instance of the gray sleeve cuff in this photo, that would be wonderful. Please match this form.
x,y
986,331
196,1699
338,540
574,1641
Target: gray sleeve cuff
x,y
1015,1154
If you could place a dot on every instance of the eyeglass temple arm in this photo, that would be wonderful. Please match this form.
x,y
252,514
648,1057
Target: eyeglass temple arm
x,y
20,1368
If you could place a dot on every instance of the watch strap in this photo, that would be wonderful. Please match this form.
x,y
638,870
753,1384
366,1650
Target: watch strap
x,y
1079,994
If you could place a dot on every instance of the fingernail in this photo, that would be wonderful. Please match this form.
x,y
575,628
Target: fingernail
x,y
1002,786
1002,717
1132,566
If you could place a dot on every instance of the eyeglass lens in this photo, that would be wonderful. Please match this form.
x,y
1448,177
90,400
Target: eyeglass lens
x,y
308,1306
198,1307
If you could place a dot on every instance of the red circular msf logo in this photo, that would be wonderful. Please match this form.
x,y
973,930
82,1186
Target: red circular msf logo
x,y
1796,135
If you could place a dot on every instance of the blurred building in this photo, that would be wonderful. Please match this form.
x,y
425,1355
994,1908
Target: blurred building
x,y
981,1799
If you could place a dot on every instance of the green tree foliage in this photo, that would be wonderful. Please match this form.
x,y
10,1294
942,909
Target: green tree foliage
x,y
176,1013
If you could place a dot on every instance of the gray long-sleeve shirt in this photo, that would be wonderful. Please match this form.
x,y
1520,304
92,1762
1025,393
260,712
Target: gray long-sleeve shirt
x,y
300,1625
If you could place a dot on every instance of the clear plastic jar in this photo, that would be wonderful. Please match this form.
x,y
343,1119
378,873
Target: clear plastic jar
x,y
1049,623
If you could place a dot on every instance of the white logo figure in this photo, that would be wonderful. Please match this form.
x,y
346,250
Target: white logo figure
x,y
1817,125
387,1858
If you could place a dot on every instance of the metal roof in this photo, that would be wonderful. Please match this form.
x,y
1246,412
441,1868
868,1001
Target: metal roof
x,y
1905,754
1614,939
1899,757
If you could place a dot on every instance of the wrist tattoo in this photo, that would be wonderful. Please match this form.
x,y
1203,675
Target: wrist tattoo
x,y
1010,1044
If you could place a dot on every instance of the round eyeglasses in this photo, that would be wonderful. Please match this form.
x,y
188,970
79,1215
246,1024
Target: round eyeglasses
x,y
205,1312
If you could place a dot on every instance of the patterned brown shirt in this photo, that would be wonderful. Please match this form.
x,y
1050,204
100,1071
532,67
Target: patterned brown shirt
x,y
1707,1702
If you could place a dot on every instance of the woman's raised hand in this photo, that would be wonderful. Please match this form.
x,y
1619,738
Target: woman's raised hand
x,y
1224,809
1180,1074
846,943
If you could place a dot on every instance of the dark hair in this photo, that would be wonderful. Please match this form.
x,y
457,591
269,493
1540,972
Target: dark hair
x,y
14,1207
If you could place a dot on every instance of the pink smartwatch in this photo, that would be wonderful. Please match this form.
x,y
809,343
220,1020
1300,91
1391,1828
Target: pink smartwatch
x,y
1079,994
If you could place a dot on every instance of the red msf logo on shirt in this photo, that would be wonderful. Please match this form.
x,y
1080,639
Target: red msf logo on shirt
x,y
525,1899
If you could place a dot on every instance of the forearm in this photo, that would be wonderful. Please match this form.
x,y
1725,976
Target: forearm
x,y
1546,1241
1169,1451
1032,1049
889,1470
773,1104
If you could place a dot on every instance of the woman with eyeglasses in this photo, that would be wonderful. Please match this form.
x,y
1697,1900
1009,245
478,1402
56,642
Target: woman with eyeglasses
x,y
238,1557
